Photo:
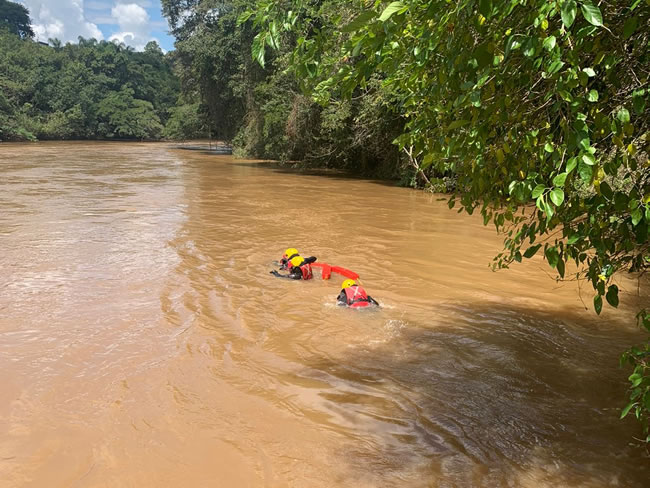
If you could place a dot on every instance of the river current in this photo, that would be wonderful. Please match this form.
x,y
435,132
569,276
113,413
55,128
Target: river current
x,y
143,342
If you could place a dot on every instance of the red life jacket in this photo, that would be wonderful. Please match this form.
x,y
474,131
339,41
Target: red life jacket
x,y
307,273
356,297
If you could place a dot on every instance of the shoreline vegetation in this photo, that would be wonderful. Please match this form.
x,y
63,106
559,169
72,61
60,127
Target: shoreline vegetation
x,y
499,104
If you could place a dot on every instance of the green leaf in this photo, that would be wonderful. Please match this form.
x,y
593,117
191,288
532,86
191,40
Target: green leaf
x,y
630,26
638,100
598,304
574,238
592,96
427,161
606,190
623,115
627,409
569,13
548,147
244,17
359,21
475,98
582,139
620,201
511,45
555,66
571,164
531,251
529,49
485,8
636,215
592,14
538,190
560,268
612,296
586,172
390,10
457,123
257,49
549,43
589,159
557,196
552,256
589,72
548,209
560,179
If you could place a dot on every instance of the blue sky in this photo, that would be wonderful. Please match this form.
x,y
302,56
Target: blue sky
x,y
134,22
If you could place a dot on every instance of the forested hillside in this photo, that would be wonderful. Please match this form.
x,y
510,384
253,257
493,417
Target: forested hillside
x,y
265,110
88,90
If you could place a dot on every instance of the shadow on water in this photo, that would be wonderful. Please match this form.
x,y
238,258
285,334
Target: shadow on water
x,y
219,151
502,396
309,171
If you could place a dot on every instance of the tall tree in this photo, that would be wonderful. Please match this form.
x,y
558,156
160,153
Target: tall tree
x,y
87,90
15,18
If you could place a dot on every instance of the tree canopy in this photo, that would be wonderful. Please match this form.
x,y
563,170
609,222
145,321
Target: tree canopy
x,y
89,90
15,18
262,109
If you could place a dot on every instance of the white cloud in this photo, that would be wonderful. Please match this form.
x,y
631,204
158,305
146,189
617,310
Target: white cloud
x,y
66,20
131,17
98,4
134,24
61,19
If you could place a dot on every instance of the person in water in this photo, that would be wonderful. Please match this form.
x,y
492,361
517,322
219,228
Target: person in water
x,y
354,296
299,268
288,255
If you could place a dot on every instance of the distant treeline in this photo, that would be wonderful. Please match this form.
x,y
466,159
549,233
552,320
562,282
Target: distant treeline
x,y
89,90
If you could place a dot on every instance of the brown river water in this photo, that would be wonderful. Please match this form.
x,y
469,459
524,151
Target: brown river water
x,y
143,342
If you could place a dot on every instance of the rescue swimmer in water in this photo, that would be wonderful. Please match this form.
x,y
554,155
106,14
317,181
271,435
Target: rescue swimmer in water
x,y
354,296
299,268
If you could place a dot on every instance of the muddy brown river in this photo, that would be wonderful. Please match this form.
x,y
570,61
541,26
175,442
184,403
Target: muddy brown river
x,y
143,342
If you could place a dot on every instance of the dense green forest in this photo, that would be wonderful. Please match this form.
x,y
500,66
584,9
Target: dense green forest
x,y
265,111
88,90
502,103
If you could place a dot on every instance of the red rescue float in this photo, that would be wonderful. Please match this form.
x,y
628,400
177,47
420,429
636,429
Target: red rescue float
x,y
327,270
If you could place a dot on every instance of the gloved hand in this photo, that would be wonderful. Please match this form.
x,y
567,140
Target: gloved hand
x,y
275,273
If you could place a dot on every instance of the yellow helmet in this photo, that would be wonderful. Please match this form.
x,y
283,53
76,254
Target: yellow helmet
x,y
290,252
348,284
297,261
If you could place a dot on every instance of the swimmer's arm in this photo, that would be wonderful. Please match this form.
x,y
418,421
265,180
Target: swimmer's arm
x,y
289,276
